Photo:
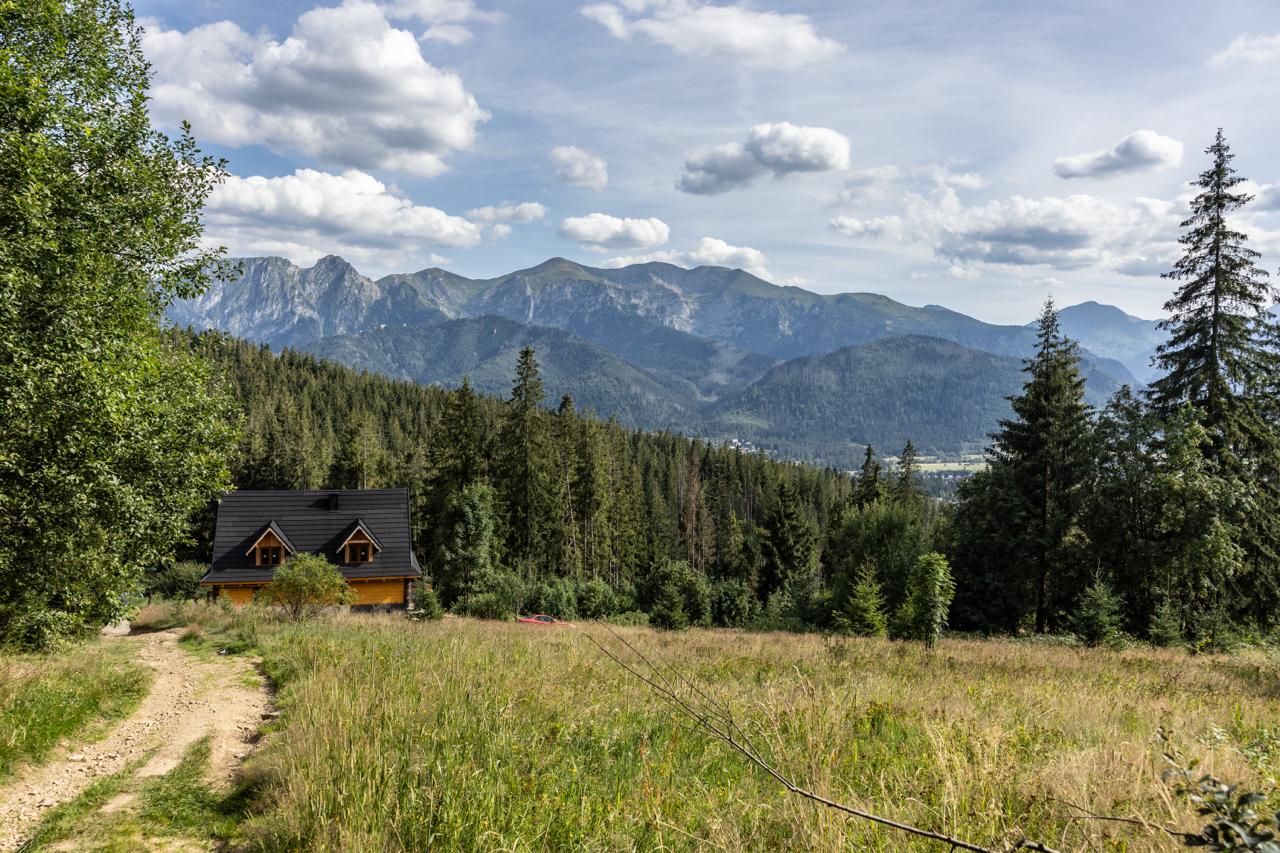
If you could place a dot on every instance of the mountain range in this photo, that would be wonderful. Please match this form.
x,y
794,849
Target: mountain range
x,y
710,351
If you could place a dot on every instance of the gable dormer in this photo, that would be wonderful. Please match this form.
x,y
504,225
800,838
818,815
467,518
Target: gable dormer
x,y
271,547
359,545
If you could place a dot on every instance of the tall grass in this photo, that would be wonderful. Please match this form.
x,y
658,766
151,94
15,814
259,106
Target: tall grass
x,y
45,698
467,735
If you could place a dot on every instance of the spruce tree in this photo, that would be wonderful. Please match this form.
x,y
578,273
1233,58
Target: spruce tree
x,y
930,592
1222,359
869,487
790,543
863,611
1046,448
524,476
906,486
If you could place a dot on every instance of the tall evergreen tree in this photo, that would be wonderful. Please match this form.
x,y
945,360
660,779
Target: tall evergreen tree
x,y
524,476
1046,447
869,488
1221,357
906,486
790,543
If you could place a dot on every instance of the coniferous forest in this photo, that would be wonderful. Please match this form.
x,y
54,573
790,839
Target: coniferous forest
x,y
1157,510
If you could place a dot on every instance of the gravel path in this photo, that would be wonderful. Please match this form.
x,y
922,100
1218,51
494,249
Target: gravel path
x,y
190,697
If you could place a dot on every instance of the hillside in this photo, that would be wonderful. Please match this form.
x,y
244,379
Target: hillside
x,y
485,349
1107,331
660,346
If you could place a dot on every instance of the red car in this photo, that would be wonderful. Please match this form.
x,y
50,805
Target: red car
x,y
543,619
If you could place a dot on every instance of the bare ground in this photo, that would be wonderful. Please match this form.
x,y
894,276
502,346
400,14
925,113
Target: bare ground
x,y
190,697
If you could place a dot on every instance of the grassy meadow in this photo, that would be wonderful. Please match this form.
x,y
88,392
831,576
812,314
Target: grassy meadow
x,y
476,735
47,697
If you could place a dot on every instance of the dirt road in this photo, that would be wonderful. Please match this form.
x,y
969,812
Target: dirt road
x,y
190,697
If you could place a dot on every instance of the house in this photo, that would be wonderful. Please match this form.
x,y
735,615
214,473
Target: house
x,y
364,532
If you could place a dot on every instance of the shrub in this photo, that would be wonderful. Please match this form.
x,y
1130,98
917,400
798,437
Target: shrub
x,y
733,604
863,611
177,582
1097,618
930,591
595,599
496,594
679,596
667,610
306,584
426,604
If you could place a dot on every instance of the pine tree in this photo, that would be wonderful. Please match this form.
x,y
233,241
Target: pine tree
x,y
863,611
1223,358
790,544
906,487
869,487
1046,447
523,472
1097,618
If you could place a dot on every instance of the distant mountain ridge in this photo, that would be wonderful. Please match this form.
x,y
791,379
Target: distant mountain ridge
x,y
654,344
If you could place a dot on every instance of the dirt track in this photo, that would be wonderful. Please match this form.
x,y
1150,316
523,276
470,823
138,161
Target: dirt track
x,y
190,697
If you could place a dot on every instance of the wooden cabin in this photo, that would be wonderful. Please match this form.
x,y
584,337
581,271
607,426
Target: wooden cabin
x,y
364,532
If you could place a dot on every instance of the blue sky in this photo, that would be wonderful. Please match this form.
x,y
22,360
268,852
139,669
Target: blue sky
x,y
976,155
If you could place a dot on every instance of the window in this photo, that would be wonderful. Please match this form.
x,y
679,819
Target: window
x,y
358,552
269,555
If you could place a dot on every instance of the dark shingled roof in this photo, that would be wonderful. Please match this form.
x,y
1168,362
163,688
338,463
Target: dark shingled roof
x,y
308,524
280,534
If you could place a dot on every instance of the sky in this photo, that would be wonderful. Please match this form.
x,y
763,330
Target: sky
x,y
977,155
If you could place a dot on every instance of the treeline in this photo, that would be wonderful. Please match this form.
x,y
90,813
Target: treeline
x,y
1155,517
1160,515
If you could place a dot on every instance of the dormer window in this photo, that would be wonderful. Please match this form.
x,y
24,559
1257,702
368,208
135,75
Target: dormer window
x,y
359,545
271,548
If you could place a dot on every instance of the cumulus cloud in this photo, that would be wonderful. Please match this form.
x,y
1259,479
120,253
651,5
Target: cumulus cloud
x,y
345,87
311,213
879,183
525,211
602,231
1251,49
708,251
1139,151
777,149
728,34
1062,233
580,167
1267,197
445,19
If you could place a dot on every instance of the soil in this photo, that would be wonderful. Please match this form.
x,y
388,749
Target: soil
x,y
190,697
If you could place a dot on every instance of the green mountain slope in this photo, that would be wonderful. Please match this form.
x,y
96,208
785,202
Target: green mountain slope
x,y
940,395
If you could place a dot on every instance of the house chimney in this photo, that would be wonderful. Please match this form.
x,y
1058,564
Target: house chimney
x,y
333,501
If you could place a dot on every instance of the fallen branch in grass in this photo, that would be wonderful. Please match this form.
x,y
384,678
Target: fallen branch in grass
x,y
716,719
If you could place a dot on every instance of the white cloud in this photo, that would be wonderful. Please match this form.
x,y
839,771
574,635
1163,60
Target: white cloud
x,y
309,214
729,34
1061,233
1252,49
445,19
1267,197
777,149
579,167
600,230
1139,151
708,251
345,87
525,211
500,230
879,183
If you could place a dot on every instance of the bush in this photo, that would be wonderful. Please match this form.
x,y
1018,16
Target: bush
x,y
595,600
496,594
177,582
306,584
426,604
1097,618
930,590
733,603
679,596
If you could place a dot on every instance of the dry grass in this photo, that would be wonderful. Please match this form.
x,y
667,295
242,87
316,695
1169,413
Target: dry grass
x,y
479,735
